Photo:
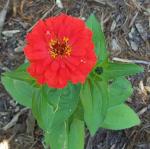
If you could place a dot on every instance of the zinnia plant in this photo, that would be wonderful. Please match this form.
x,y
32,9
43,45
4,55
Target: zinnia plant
x,y
69,82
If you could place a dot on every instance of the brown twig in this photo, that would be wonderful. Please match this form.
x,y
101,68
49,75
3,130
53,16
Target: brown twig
x,y
43,17
131,61
14,119
14,8
3,16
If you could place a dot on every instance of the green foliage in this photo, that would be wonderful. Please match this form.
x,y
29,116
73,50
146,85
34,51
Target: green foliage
x,y
64,104
18,84
57,138
20,91
79,112
119,91
120,117
67,103
114,70
76,135
20,74
52,108
98,38
43,112
66,137
95,101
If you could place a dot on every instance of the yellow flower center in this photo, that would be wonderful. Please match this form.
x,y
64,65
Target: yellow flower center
x,y
59,47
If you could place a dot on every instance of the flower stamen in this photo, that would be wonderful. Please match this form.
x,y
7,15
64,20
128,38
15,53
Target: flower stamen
x,y
59,47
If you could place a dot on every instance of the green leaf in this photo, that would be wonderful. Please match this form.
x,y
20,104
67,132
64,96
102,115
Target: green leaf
x,y
23,67
119,91
98,38
79,112
120,117
52,95
76,135
20,91
67,103
94,97
57,138
114,70
42,110
20,74
62,138
52,107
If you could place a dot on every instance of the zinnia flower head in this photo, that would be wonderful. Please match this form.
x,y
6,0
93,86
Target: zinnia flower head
x,y
60,49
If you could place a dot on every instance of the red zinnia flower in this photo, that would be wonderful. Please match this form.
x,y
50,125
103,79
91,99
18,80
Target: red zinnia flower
x,y
60,49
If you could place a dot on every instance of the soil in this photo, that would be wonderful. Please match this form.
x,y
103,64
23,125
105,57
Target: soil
x,y
126,26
